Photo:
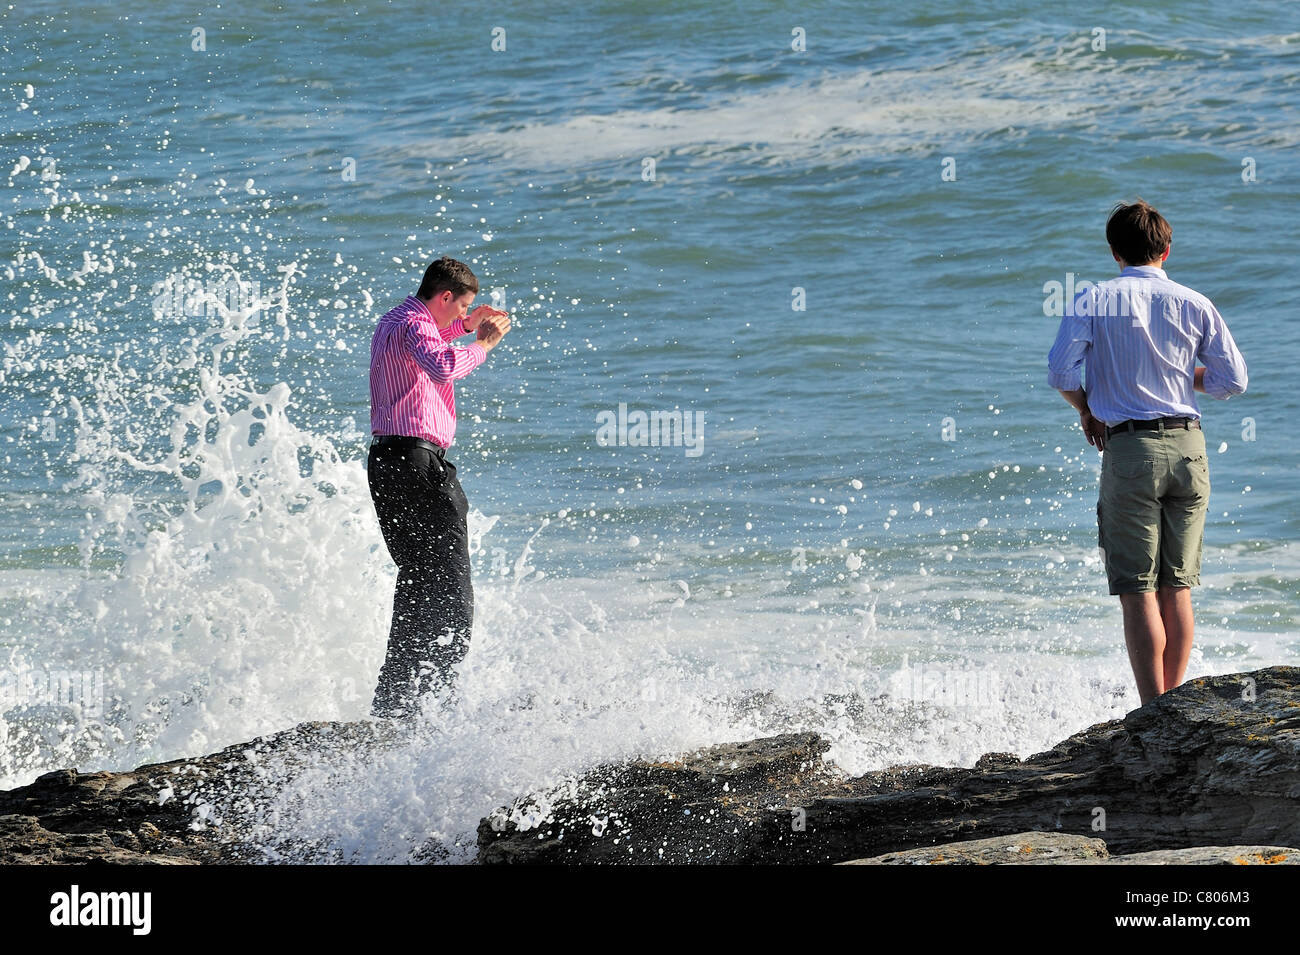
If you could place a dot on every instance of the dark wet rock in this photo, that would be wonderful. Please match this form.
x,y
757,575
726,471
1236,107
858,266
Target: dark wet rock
x,y
1206,774
694,808
1216,762
186,811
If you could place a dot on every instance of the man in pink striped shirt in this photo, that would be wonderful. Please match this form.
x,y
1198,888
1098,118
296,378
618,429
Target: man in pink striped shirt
x,y
421,507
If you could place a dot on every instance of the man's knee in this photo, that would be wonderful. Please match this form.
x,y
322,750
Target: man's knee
x,y
1173,593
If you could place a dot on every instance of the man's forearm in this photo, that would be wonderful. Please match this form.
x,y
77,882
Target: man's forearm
x,y
1078,398
1199,382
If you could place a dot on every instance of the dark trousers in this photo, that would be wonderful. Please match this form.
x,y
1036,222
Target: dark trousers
x,y
422,515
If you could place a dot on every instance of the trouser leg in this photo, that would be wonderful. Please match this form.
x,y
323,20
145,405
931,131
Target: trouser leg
x,y
423,516
428,637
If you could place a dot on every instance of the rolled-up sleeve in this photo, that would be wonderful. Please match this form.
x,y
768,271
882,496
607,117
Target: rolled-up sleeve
x,y
441,361
1225,369
1065,360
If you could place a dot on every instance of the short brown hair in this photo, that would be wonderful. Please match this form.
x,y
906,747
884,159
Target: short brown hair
x,y
1137,233
447,275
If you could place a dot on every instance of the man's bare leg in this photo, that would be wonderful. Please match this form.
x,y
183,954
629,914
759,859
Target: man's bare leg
x,y
1176,614
1144,635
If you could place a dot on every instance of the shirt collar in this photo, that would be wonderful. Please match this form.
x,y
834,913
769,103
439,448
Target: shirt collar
x,y
1144,270
422,307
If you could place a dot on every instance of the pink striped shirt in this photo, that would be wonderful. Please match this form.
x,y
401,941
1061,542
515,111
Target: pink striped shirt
x,y
412,367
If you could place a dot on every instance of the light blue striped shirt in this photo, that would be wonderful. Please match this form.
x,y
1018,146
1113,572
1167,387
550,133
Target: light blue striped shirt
x,y
1142,336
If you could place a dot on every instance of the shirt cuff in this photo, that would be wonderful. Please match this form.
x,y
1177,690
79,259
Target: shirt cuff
x,y
456,329
1222,387
479,351
1065,380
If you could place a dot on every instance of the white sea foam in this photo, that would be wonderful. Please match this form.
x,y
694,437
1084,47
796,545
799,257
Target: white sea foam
x,y
886,112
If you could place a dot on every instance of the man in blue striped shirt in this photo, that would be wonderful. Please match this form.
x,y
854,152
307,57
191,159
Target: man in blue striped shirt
x,y
1141,335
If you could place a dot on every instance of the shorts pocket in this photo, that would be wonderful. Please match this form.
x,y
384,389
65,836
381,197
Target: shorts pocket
x,y
1198,470
1132,470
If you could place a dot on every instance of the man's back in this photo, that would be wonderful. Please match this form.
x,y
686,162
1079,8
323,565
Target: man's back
x,y
1142,334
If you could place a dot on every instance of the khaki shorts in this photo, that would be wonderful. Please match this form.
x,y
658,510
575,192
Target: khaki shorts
x,y
1155,491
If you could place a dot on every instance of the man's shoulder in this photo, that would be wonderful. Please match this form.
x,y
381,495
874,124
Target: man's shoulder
x,y
407,312
1186,292
1158,286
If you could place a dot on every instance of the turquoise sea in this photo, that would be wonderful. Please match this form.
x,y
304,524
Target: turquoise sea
x,y
827,232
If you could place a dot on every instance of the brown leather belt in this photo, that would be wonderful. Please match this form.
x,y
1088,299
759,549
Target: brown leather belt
x,y
403,441
1153,424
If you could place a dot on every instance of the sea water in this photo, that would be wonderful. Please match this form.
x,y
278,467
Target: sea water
x,y
823,239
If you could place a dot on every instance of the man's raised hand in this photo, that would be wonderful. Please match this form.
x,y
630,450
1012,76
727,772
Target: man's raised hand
x,y
492,327
476,316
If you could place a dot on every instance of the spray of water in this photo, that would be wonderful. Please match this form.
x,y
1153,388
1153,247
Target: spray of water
x,y
218,569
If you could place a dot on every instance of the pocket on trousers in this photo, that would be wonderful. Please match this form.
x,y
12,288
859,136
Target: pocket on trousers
x,y
1132,470
1198,471
430,468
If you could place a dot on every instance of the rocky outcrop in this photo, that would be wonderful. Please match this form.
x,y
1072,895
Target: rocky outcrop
x,y
1216,762
184,812
1206,774
1212,855
1022,848
1054,848
690,809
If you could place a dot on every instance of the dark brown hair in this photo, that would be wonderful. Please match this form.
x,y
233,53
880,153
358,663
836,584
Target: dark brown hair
x,y
447,275
1137,233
